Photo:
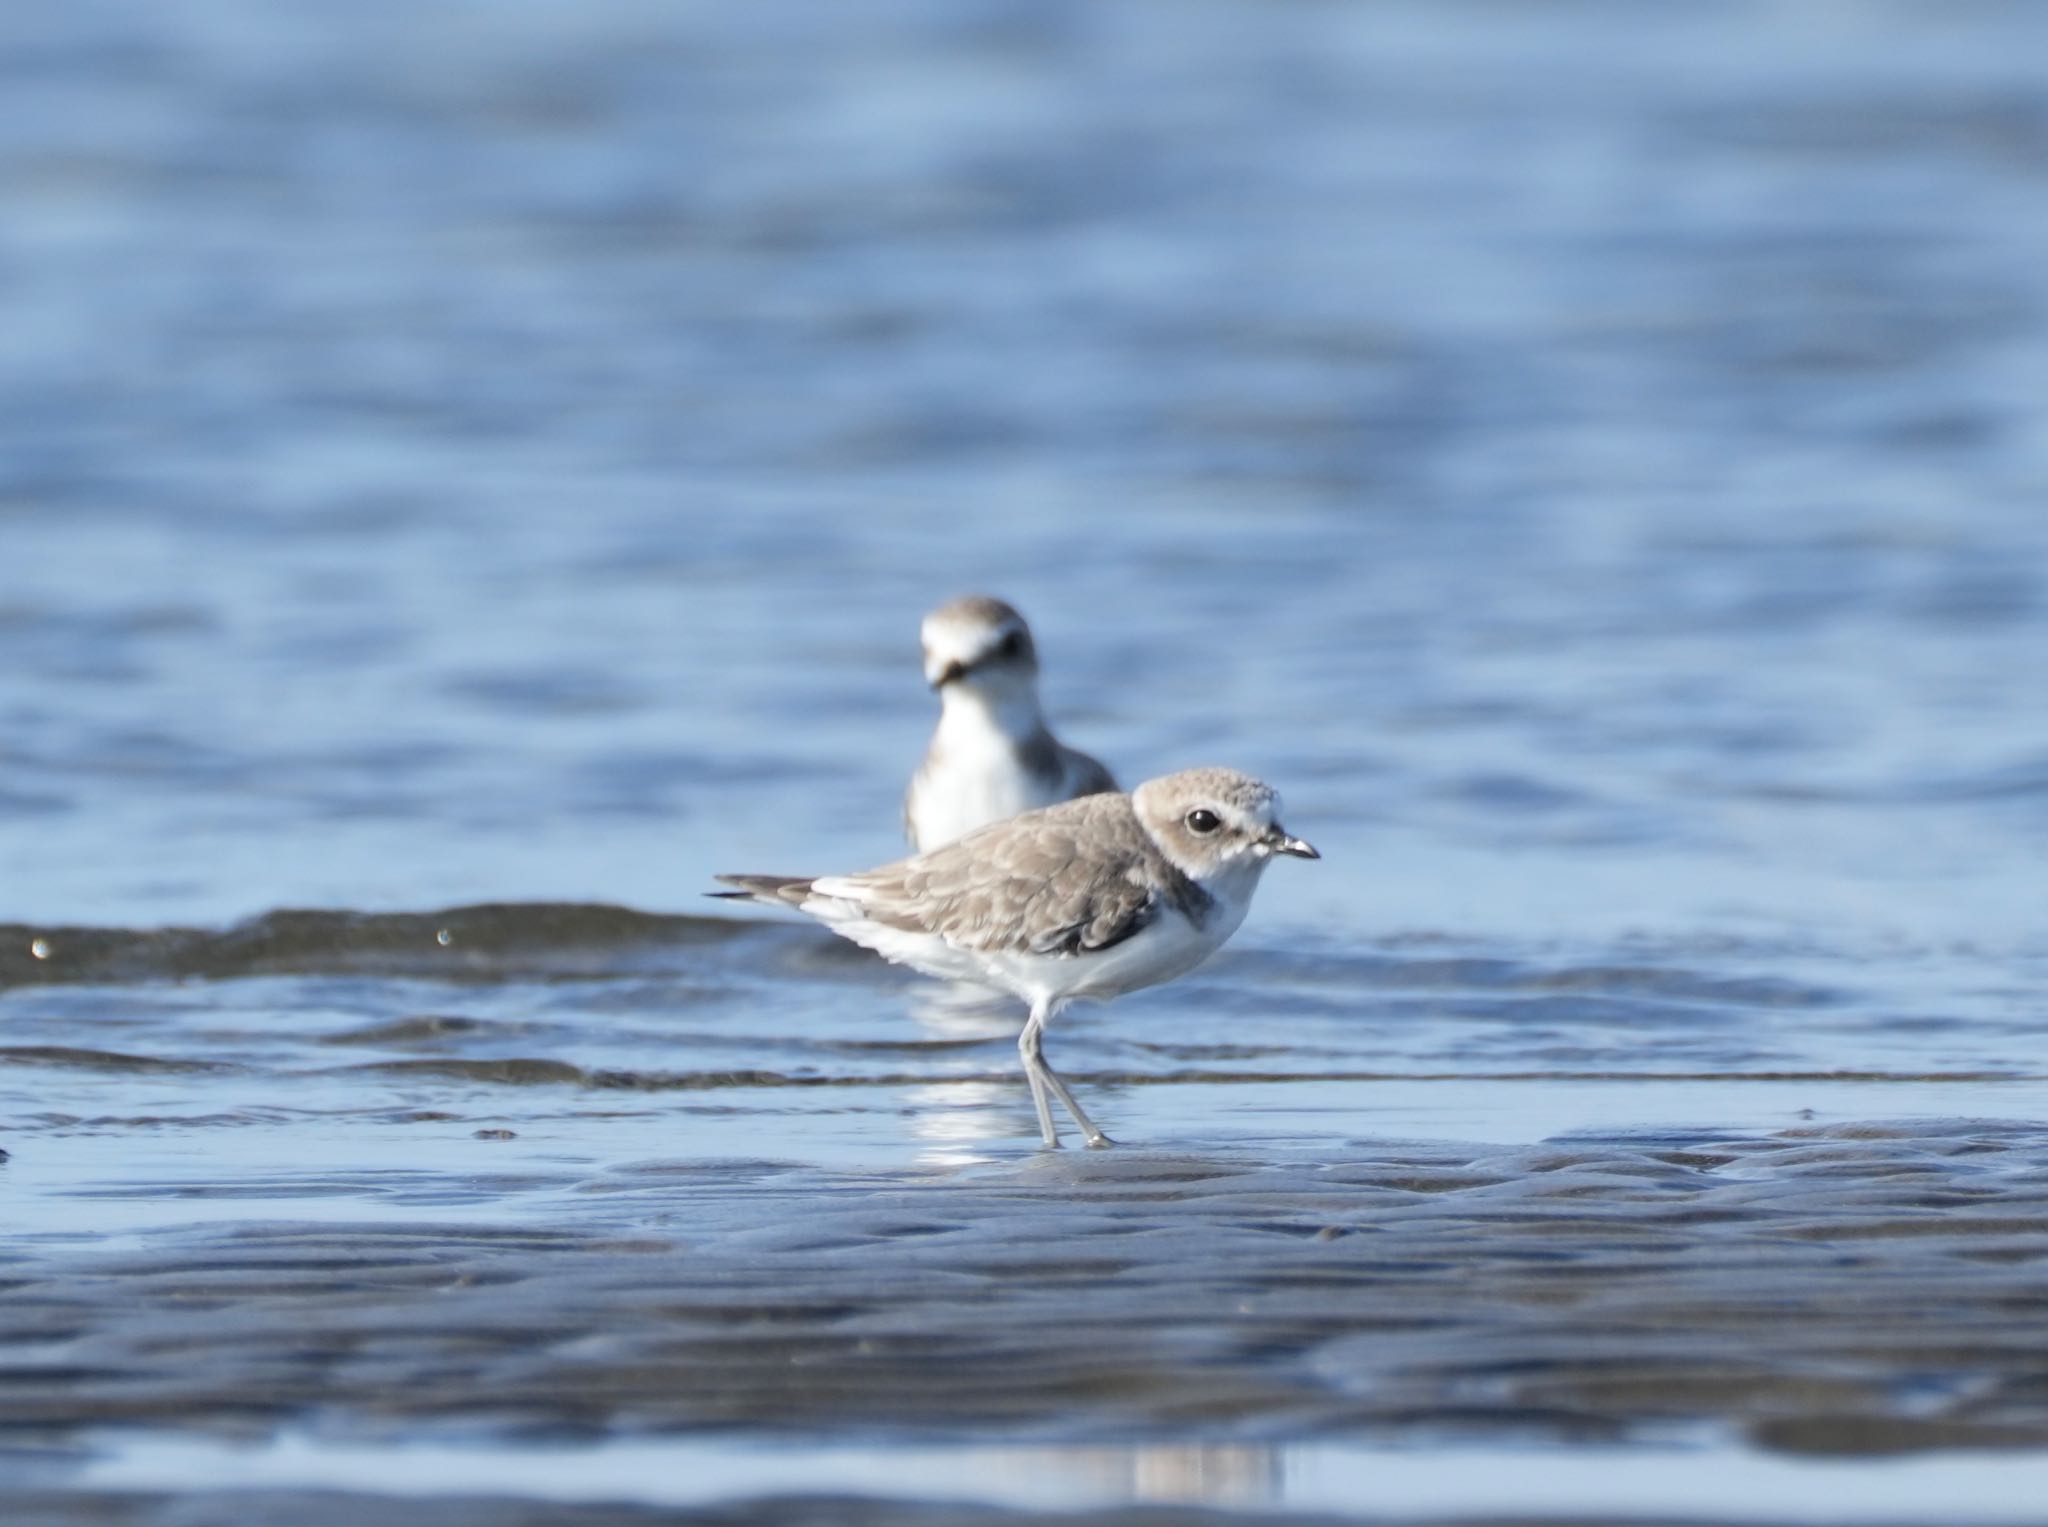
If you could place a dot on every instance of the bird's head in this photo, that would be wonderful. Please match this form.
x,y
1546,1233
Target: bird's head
x,y
1212,821
981,642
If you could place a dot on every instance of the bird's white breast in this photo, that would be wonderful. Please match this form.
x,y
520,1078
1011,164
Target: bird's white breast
x,y
975,776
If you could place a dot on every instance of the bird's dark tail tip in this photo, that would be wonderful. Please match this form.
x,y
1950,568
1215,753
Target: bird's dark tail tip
x,y
771,890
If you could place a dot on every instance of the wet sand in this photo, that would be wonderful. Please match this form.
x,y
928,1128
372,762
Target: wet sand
x,y
1857,1291
641,1214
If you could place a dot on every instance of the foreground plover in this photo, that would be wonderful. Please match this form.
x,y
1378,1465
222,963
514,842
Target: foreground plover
x,y
1089,898
992,755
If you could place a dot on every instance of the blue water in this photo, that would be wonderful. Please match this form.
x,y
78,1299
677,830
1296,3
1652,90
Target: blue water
x,y
1591,468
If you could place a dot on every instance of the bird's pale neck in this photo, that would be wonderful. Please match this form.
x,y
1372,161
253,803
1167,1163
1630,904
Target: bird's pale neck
x,y
1008,707
1236,878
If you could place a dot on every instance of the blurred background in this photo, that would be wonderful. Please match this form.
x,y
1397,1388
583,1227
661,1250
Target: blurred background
x,y
1590,459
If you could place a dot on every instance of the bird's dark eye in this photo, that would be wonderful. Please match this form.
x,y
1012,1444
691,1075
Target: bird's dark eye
x,y
1011,645
1203,821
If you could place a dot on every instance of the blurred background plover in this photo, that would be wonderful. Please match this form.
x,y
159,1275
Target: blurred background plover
x,y
992,754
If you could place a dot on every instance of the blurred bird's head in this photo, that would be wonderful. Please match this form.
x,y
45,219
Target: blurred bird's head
x,y
980,642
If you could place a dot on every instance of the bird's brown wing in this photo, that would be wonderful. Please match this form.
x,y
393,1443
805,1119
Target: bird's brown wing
x,y
1069,879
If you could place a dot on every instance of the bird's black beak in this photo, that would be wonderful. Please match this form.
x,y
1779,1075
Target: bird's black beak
x,y
1294,848
1008,651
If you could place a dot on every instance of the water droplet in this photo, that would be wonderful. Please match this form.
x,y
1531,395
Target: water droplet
x,y
444,938
40,948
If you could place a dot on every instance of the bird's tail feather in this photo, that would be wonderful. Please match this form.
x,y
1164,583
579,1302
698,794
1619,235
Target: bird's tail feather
x,y
769,890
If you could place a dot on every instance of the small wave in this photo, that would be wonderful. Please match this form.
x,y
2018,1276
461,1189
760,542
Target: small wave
x,y
529,1071
100,1060
512,1072
426,1029
472,943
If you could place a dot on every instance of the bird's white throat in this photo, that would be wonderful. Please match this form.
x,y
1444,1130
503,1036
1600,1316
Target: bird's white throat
x,y
1233,884
974,716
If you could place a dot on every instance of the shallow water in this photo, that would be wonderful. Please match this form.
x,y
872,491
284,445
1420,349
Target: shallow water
x,y
1298,1477
473,472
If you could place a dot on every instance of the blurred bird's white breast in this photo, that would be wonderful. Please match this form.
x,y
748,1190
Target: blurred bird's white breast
x,y
971,781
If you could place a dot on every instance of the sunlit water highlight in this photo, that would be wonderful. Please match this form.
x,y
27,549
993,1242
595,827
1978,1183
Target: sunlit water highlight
x,y
1335,1478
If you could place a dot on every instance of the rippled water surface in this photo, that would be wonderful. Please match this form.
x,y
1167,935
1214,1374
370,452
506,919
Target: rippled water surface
x,y
468,473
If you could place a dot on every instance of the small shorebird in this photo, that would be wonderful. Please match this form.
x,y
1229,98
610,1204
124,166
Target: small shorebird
x,y
1087,899
992,755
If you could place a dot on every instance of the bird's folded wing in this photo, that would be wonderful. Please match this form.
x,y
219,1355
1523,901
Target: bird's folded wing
x,y
1088,775
1028,885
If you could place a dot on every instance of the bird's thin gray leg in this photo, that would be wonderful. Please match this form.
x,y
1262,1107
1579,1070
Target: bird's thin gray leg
x,y
1039,1069
1096,1138
1034,1073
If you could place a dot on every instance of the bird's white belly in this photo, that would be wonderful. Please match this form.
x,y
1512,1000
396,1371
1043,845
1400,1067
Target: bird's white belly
x,y
1170,946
